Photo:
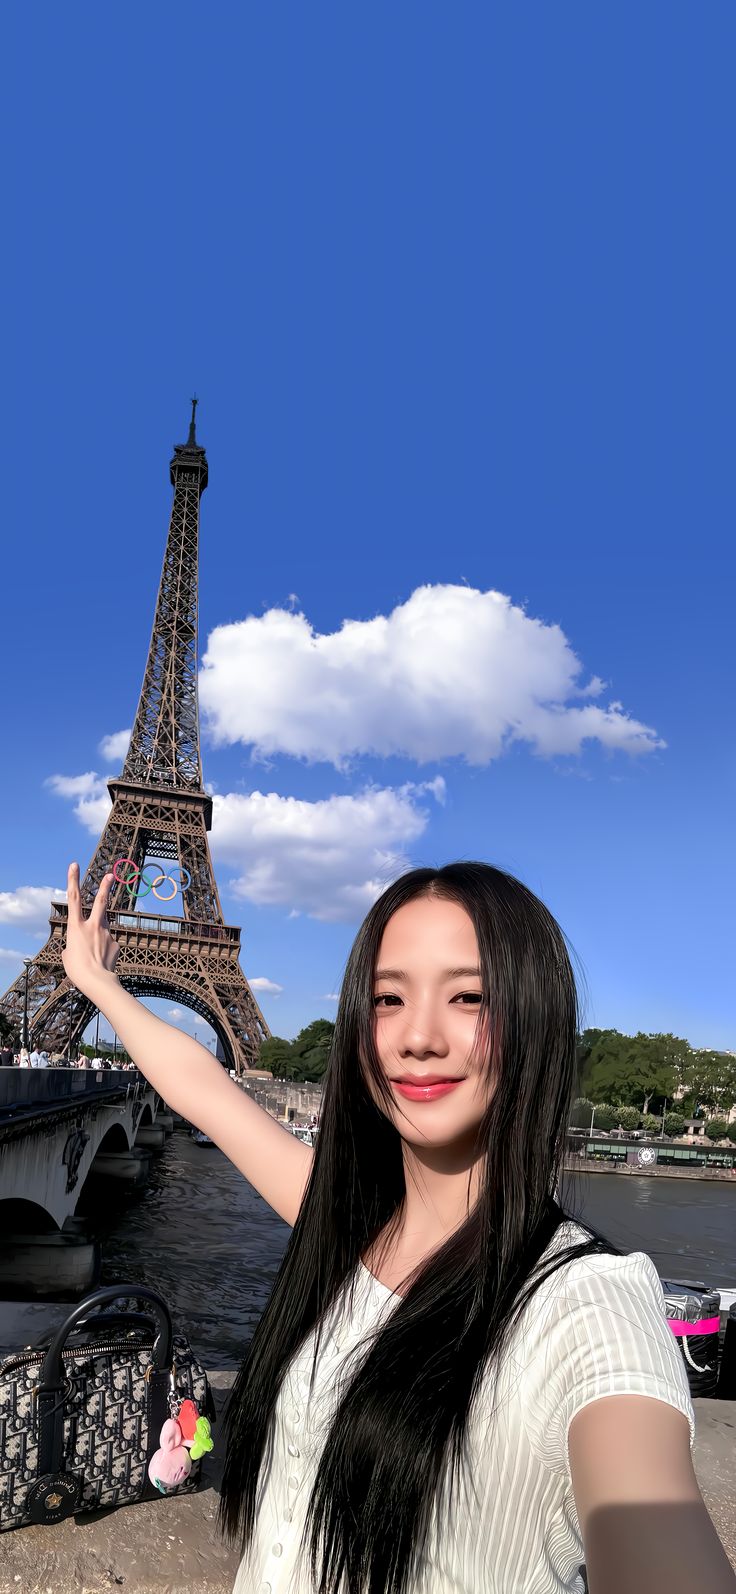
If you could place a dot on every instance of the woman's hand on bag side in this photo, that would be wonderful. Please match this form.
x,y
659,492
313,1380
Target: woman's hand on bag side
x,y
90,950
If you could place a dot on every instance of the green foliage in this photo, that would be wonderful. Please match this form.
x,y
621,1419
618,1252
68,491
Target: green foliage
x,y
304,1058
732,1133
629,1117
274,1053
711,1076
630,1070
651,1124
717,1128
674,1123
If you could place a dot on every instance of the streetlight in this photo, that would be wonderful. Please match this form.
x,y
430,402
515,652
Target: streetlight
x,y
592,1116
24,1042
69,1039
664,1109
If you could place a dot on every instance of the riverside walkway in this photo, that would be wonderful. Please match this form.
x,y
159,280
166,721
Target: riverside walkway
x,y
173,1547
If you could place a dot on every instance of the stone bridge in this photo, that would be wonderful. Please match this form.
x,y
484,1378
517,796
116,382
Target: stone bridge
x,y
58,1126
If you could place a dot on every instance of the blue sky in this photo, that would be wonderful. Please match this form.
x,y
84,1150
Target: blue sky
x,y
455,288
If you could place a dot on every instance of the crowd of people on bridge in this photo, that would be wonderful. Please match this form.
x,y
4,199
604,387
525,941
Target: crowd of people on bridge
x,y
22,1058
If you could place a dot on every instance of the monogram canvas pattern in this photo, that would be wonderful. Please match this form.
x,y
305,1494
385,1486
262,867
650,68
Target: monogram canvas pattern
x,y
106,1438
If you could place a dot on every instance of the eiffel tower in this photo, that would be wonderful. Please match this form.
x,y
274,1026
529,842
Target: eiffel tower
x,y
160,810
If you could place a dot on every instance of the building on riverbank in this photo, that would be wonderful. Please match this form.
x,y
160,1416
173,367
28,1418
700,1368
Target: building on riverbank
x,y
694,1157
288,1100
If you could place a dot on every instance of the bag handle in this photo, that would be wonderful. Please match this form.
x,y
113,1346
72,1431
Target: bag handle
x,y
51,1394
52,1370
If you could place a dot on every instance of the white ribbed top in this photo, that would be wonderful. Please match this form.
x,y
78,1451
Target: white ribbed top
x,y
597,1327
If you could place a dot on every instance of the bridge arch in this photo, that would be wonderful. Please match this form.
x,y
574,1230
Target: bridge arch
x,y
25,1217
114,1139
183,996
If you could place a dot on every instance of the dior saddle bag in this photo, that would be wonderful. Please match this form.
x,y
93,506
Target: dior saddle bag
x,y
114,1409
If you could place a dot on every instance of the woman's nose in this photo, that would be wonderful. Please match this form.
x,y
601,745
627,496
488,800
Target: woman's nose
x,y
424,1032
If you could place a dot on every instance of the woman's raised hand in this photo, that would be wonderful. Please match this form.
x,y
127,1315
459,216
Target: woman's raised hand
x,y
90,949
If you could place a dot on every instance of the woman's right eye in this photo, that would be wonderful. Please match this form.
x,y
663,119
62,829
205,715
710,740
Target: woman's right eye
x,y
385,996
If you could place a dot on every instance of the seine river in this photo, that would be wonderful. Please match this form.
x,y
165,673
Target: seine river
x,y
201,1235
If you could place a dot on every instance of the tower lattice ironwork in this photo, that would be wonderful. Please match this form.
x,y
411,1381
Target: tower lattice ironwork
x,y
160,811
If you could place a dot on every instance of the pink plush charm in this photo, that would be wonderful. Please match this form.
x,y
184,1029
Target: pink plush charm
x,y
171,1464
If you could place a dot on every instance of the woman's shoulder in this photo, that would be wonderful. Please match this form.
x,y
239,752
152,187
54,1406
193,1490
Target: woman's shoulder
x,y
588,1296
598,1326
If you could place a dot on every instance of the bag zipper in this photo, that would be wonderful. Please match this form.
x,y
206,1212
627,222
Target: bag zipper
x,y
25,1357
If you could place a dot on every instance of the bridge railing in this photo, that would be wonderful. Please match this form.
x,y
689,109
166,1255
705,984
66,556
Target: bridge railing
x,y
25,1093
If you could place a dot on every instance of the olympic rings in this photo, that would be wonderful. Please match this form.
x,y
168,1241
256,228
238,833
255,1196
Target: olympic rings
x,y
134,886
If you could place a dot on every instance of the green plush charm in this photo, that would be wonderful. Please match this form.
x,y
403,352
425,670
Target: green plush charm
x,y
202,1441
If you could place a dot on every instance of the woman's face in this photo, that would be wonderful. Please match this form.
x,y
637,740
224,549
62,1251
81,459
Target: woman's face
x,y
426,1006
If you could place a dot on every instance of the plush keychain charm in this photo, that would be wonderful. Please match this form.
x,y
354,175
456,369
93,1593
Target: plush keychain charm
x,y
202,1441
187,1417
171,1463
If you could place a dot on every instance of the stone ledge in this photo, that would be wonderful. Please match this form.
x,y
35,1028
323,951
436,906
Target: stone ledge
x,y
173,1547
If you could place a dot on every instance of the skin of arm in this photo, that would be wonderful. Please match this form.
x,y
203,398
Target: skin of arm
x,y
184,1073
644,1522
194,1084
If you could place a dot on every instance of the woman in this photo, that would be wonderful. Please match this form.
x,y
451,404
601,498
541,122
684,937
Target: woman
x,y
24,1059
421,1407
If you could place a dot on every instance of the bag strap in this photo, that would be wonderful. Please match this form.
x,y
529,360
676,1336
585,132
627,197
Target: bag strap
x,y
52,1393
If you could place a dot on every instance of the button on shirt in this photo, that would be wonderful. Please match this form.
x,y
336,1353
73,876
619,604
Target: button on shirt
x,y
597,1327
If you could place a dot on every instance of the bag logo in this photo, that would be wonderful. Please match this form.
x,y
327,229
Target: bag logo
x,y
54,1497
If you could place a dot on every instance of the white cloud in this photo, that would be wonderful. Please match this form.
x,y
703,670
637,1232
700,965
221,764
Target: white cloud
x,y
114,747
329,859
11,955
29,905
267,987
451,673
330,996
93,799
175,1013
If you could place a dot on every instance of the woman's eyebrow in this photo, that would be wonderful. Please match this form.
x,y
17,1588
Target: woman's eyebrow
x,y
449,974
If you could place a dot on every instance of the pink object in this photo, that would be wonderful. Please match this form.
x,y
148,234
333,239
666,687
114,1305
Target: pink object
x,y
172,1463
707,1325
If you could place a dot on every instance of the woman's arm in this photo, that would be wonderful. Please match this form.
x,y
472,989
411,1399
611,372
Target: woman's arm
x,y
188,1077
643,1519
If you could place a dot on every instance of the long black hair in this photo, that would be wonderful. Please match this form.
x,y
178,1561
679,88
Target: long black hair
x,y
400,1425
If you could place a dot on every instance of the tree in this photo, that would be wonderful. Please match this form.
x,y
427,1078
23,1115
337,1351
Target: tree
x,y
629,1117
629,1069
651,1124
716,1128
304,1058
674,1124
275,1053
711,1076
311,1049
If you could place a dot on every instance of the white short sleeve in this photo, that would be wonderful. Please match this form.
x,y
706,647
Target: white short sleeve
x,y
602,1330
